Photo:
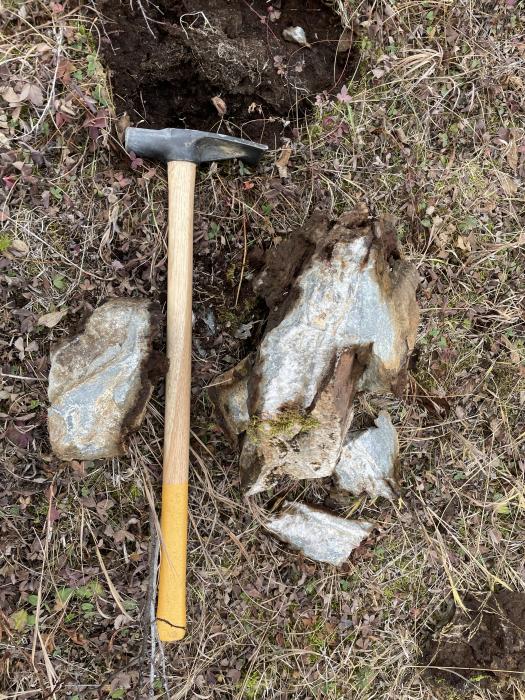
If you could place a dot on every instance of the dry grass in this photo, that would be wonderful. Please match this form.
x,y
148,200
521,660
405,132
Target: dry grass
x,y
432,133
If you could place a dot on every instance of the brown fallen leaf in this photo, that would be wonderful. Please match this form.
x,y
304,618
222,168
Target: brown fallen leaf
x,y
19,247
220,105
512,155
508,184
33,93
51,319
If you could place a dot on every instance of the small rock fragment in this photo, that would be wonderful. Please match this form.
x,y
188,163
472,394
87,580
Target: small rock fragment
x,y
296,35
101,380
368,460
318,534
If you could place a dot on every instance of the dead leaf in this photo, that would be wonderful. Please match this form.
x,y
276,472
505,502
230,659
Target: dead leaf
x,y
508,184
18,246
64,70
220,105
19,344
345,41
18,437
51,319
33,93
10,96
512,155
463,244
282,161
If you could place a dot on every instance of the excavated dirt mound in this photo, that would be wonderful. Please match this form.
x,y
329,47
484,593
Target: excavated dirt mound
x,y
482,642
167,67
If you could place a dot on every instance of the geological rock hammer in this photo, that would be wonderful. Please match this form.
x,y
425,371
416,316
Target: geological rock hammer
x,y
183,150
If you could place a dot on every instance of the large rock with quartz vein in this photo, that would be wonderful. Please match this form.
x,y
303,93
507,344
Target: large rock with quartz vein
x,y
318,534
342,318
101,379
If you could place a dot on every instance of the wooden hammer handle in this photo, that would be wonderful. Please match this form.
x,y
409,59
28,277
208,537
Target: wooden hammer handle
x,y
171,602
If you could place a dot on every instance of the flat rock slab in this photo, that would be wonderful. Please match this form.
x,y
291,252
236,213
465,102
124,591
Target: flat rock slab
x,y
101,380
343,318
318,534
368,459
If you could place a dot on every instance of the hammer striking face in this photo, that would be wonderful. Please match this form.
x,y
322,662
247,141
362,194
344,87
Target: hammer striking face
x,y
190,145
183,150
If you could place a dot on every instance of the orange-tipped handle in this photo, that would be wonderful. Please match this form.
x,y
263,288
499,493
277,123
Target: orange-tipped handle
x,y
171,602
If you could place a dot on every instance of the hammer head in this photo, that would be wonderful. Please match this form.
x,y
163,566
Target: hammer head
x,y
190,145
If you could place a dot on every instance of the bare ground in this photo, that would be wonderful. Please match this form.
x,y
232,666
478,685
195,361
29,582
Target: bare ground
x,y
430,131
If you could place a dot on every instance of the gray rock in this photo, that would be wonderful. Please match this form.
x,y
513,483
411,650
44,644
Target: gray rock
x,y
368,460
343,317
318,534
100,381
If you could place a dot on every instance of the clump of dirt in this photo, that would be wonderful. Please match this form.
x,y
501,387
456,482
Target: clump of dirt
x,y
167,68
482,642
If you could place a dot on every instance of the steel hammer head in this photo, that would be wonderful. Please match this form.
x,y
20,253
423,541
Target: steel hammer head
x,y
190,145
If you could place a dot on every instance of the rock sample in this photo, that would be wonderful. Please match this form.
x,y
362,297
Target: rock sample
x,y
101,380
342,318
368,459
318,534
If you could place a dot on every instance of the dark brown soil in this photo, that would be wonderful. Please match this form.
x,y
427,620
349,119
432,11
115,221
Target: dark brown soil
x,y
195,50
482,643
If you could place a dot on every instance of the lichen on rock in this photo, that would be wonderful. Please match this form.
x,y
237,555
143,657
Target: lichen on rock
x,y
101,380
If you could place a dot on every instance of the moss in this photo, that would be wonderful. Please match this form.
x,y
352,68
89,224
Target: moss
x,y
287,424
5,242
230,274
237,316
253,685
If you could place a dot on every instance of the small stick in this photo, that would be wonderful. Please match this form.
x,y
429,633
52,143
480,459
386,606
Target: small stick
x,y
243,259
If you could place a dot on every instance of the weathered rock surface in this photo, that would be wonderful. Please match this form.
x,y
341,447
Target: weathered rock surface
x,y
343,317
101,379
368,459
318,534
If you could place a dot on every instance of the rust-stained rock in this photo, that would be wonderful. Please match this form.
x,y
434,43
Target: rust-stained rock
x,y
343,318
101,379
318,534
368,459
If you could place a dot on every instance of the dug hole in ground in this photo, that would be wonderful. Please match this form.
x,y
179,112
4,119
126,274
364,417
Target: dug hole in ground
x,y
410,113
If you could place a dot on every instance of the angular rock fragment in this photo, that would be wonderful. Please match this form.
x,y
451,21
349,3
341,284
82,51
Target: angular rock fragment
x,y
318,534
101,380
368,460
343,317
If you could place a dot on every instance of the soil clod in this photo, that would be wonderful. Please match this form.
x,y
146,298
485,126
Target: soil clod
x,y
484,641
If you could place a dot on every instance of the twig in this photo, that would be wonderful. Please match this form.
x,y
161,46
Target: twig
x,y
152,590
20,376
146,19
51,675
243,259
152,586
115,594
